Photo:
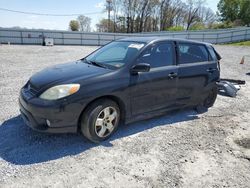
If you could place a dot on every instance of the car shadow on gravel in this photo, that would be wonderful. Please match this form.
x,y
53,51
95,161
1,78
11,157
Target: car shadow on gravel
x,y
21,145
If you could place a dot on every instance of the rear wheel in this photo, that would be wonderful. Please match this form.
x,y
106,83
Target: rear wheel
x,y
210,100
100,120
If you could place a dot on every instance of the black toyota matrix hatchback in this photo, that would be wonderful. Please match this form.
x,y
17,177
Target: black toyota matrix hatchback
x,y
127,80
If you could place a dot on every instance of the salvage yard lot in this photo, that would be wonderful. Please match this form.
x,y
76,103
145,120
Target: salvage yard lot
x,y
181,149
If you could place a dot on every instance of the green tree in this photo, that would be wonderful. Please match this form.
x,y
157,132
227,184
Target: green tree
x,y
233,10
245,12
74,25
222,25
198,26
229,10
176,28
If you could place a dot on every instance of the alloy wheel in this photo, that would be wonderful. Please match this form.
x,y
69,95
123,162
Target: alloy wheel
x,y
105,122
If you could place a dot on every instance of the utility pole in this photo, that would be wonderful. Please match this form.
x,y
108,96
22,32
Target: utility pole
x,y
108,7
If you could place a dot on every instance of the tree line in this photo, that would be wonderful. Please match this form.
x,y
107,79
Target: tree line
x,y
156,15
132,16
234,11
82,23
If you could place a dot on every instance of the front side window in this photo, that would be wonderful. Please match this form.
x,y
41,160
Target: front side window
x,y
158,55
115,54
192,53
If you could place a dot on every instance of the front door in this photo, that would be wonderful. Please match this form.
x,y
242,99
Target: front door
x,y
156,89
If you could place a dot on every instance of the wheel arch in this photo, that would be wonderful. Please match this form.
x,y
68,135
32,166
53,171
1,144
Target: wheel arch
x,y
116,99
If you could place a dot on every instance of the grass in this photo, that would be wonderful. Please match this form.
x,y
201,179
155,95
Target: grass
x,y
245,43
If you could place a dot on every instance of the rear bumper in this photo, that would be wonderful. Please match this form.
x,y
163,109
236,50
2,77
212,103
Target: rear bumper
x,y
35,116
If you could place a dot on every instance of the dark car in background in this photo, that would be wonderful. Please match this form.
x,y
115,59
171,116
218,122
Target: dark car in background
x,y
124,81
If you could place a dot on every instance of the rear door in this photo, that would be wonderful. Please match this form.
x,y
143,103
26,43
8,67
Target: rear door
x,y
156,89
196,71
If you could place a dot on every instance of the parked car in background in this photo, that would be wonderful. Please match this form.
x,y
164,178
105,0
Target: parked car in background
x,y
124,81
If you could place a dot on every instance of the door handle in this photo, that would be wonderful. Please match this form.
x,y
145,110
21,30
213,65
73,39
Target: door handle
x,y
172,75
211,70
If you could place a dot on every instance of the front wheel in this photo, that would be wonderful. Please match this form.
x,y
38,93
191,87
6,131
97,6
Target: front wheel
x,y
100,120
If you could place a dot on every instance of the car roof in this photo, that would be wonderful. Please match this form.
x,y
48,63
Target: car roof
x,y
158,39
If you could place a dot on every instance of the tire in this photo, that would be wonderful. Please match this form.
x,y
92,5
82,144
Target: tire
x,y
211,98
100,120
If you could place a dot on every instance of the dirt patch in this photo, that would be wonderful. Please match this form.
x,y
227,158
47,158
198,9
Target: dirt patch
x,y
244,142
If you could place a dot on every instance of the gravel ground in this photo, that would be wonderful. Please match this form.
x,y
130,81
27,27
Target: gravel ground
x,y
181,149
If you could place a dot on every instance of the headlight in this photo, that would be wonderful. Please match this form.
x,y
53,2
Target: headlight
x,y
60,91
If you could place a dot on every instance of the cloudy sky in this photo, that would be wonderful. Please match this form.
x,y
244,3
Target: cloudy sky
x,y
9,19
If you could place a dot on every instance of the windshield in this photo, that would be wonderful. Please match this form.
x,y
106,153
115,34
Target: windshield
x,y
115,54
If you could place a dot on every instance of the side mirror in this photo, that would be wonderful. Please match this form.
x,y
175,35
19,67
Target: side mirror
x,y
141,67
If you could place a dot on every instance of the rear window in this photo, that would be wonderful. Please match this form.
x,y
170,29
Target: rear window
x,y
212,53
192,53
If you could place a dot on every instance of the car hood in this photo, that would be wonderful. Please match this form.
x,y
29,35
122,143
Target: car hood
x,y
64,72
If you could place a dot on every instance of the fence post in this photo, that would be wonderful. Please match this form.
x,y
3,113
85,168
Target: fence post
x,y
63,38
99,44
21,37
246,34
232,36
81,39
43,38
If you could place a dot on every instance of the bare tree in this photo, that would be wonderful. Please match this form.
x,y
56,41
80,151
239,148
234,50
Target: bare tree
x,y
142,11
180,14
207,16
84,23
116,6
105,26
193,7
164,9
176,10
131,8
153,15
150,20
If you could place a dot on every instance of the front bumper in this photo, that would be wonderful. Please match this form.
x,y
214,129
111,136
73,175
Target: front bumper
x,y
62,117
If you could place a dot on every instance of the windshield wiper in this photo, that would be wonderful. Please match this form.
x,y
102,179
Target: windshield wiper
x,y
98,64
95,63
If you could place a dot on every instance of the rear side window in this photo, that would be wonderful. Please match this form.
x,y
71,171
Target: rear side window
x,y
192,53
158,55
212,53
